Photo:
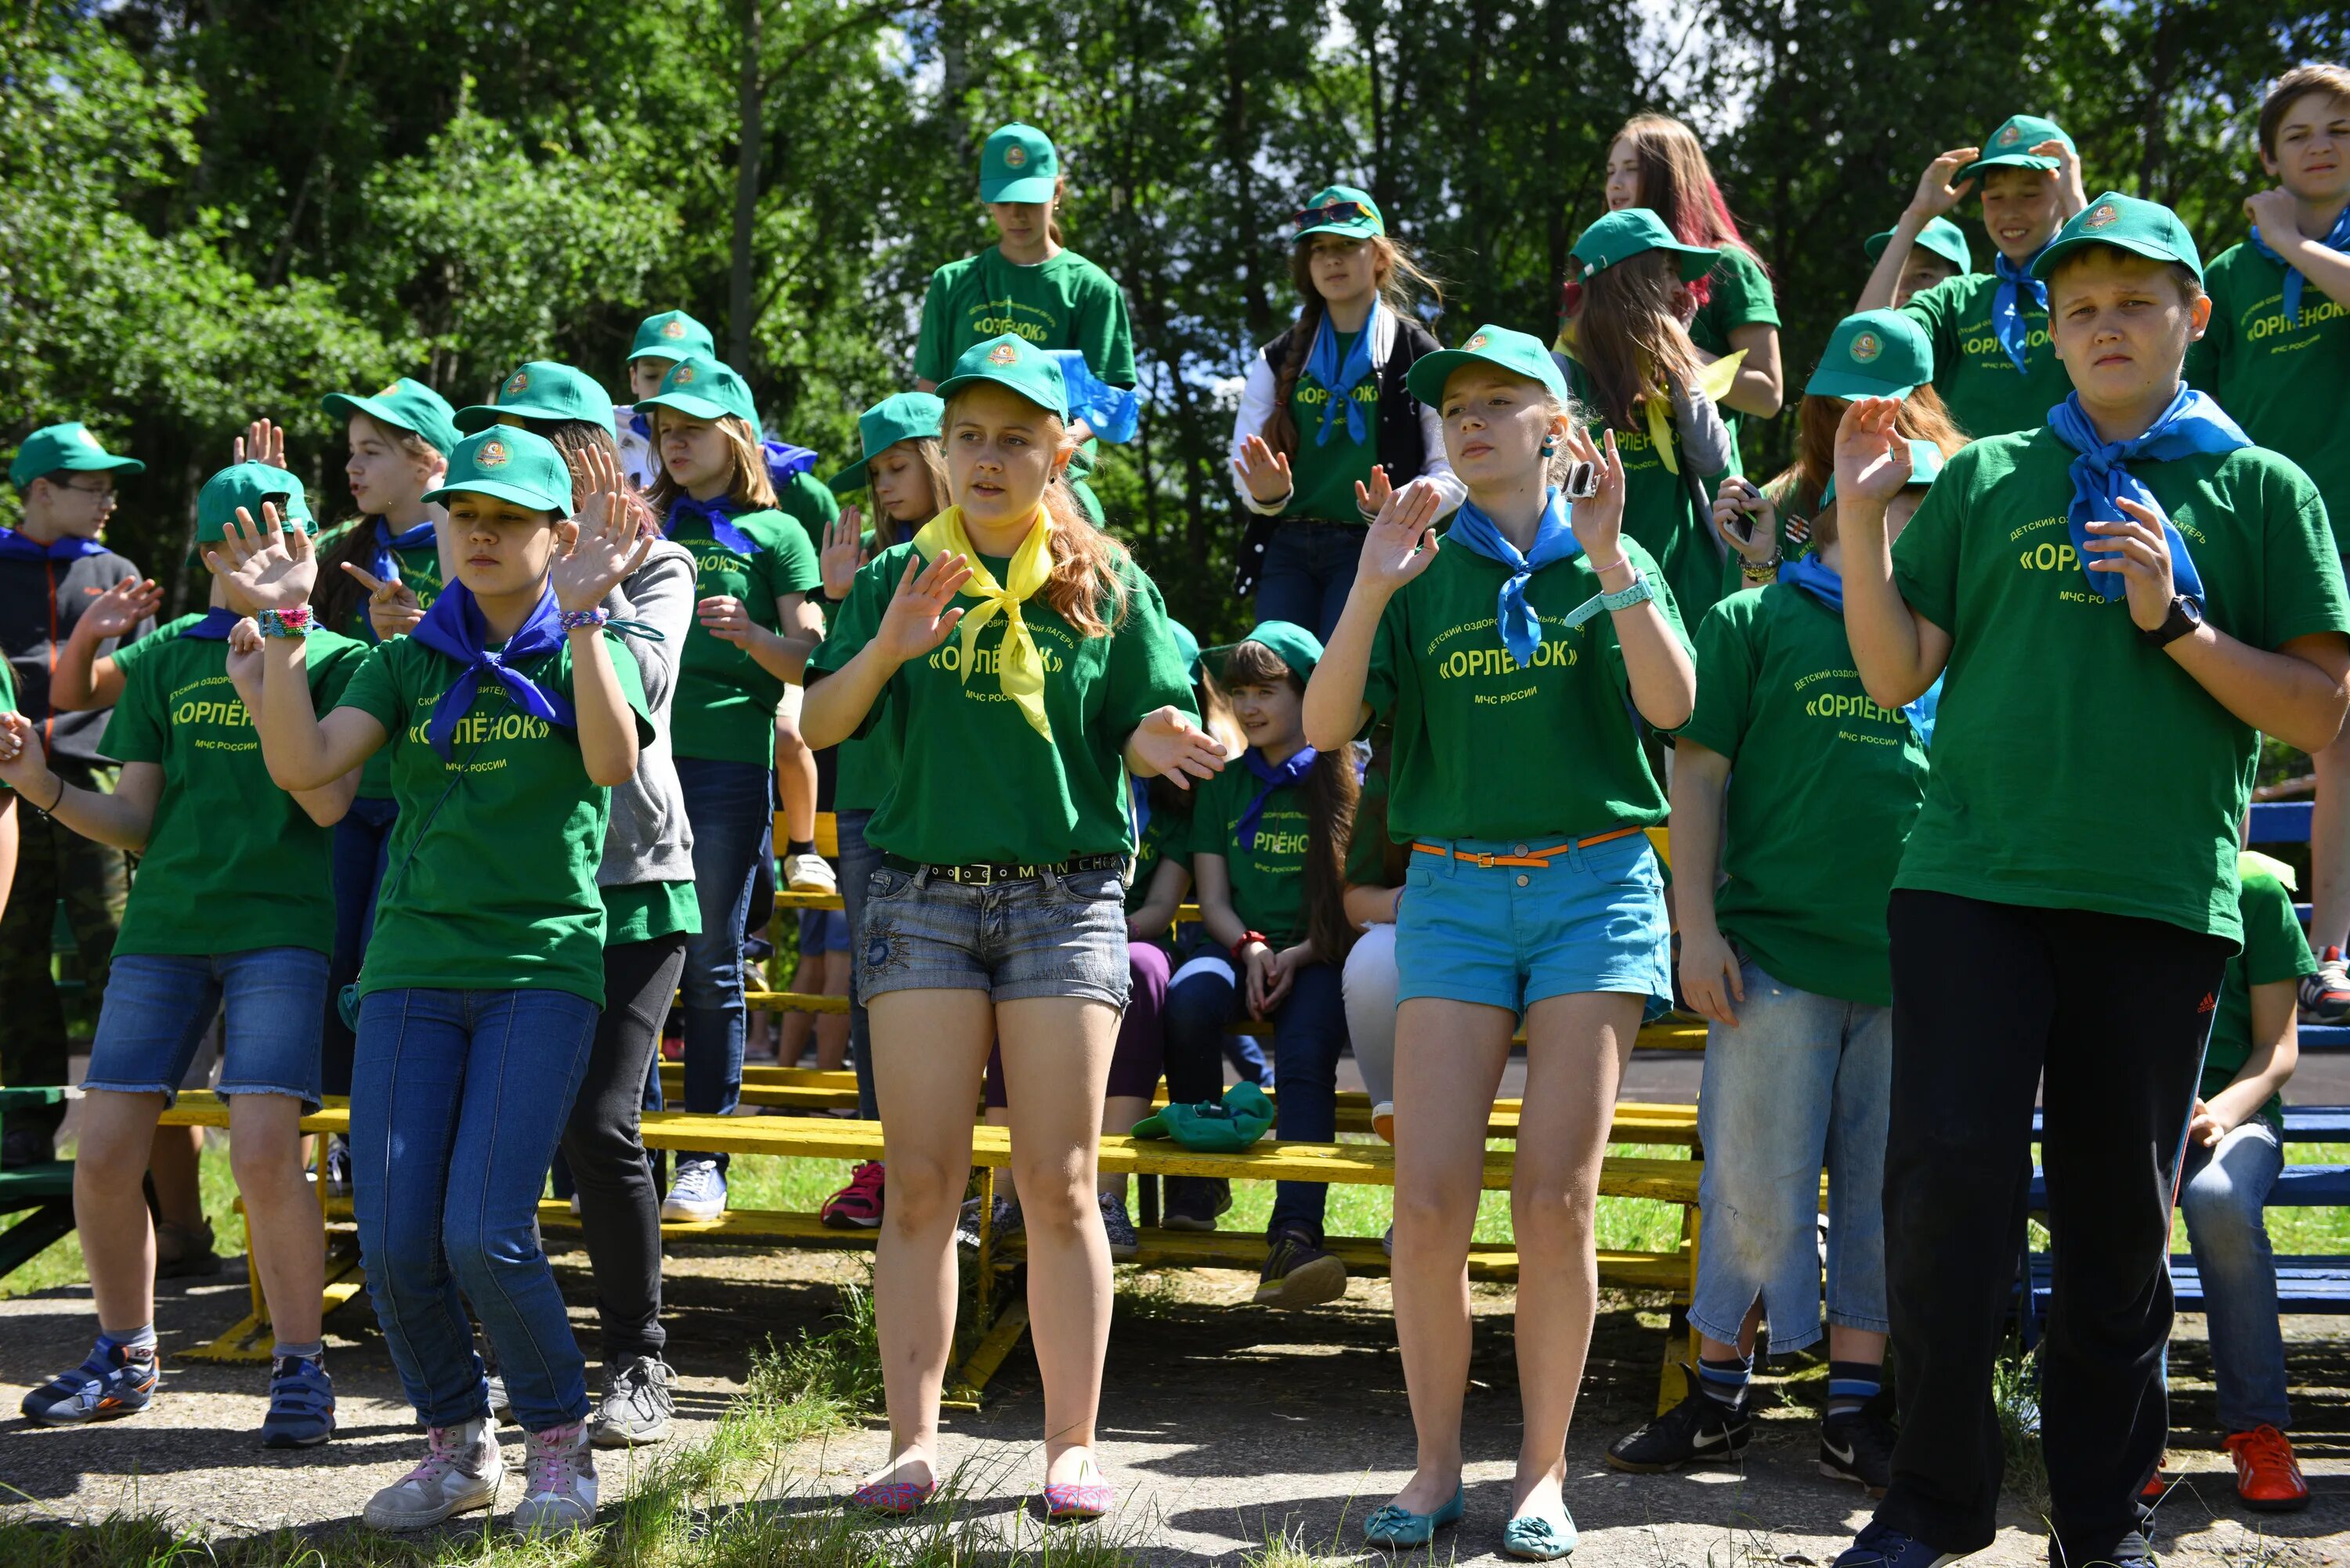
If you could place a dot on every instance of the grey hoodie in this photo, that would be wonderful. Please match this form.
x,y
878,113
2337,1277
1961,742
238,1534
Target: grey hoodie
x,y
649,840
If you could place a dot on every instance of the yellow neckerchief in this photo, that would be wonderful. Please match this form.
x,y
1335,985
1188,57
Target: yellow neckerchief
x,y
1715,380
1018,662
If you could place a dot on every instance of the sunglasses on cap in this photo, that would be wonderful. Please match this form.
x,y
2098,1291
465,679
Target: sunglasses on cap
x,y
1331,212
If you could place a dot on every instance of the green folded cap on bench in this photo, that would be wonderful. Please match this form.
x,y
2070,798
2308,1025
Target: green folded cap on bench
x,y
1244,1117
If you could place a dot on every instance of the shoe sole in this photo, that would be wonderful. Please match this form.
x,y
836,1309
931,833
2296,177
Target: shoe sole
x,y
280,1440
681,1215
485,1497
615,1436
2284,1505
850,1222
1640,1468
1309,1284
1836,1472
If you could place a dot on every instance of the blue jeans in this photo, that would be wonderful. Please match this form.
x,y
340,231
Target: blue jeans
x,y
1309,1034
858,861
730,807
362,844
158,1007
1309,568
1802,1081
2222,1191
458,1098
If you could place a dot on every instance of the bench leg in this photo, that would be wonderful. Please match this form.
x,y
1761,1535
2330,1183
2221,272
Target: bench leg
x,y
1672,1390
33,1234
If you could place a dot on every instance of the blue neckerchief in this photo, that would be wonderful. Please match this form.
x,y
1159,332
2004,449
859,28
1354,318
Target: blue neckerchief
x,y
454,626
216,625
1113,413
641,425
1139,800
2193,423
1554,541
1301,762
1826,584
385,566
1340,380
784,461
2006,316
718,515
16,547
2337,238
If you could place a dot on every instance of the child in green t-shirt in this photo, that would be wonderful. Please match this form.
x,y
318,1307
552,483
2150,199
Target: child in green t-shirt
x,y
509,716
1020,663
233,907
1939,252
2119,604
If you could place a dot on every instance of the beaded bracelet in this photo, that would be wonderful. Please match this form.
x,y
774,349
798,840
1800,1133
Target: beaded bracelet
x,y
573,621
294,622
1756,571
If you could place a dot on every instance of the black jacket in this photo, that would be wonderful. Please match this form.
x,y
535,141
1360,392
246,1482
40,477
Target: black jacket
x,y
39,603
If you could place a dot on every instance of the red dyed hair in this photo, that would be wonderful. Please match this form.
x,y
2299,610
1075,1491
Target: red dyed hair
x,y
1677,183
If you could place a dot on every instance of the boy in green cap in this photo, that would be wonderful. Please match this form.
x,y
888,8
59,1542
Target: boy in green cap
x,y
2277,357
660,342
1939,252
2144,593
1993,363
55,574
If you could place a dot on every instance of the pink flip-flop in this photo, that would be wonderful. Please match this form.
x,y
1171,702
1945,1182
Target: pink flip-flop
x,y
1071,1501
894,1497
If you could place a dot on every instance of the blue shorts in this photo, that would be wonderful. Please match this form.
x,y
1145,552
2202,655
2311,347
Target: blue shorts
x,y
1509,936
159,1006
1049,936
823,931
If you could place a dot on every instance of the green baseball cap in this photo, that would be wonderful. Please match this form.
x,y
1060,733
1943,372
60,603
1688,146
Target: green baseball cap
x,y
1519,353
699,388
511,466
1875,354
672,334
1011,360
1940,235
1018,164
405,405
1187,647
1626,233
248,485
1290,643
1925,467
2147,228
542,389
2011,146
1339,210
69,447
901,416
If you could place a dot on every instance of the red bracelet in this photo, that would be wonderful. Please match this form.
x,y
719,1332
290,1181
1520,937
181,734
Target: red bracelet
x,y
1246,938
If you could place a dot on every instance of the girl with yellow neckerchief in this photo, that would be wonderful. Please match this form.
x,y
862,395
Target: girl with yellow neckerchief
x,y
1022,663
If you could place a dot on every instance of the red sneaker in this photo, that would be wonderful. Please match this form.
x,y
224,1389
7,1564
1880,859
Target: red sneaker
x,y
2157,1486
2266,1478
858,1206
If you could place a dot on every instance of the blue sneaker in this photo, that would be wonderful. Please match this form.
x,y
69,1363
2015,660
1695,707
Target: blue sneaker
x,y
1882,1546
301,1404
115,1381
699,1193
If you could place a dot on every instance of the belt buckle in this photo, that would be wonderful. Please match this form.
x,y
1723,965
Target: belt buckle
x,y
1484,861
984,876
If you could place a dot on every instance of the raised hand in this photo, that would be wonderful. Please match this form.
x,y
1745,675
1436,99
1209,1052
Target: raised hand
x,y
1741,503
2071,196
919,618
1372,498
262,442
273,568
2139,550
1401,543
601,544
2275,212
1167,744
1872,458
844,552
1264,470
1935,194
393,608
118,611
23,763
1599,518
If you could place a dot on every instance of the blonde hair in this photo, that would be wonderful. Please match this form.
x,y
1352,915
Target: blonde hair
x,y
1086,561
747,483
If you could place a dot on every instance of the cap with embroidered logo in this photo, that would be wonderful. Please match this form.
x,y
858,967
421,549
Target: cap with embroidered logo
x,y
2011,146
699,388
1519,353
1018,164
1875,354
1010,361
1338,210
405,405
1290,643
1625,234
247,486
69,447
672,334
901,416
542,389
2147,228
509,465
1941,236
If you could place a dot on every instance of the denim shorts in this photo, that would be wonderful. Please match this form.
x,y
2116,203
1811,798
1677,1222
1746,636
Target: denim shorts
x,y
1049,936
823,931
159,1006
1509,936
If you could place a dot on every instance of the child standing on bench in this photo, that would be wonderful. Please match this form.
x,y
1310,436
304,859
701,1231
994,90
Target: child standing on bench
x,y
1020,662
1517,661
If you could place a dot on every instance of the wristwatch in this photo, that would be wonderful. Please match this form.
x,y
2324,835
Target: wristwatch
x,y
2185,616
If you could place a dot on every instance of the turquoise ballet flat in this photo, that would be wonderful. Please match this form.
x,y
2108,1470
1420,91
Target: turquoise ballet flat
x,y
1393,1526
1535,1539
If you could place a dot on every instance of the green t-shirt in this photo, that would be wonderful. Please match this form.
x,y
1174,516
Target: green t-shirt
x,y
1660,512
2274,950
1324,473
2285,382
1268,881
726,704
809,501
419,569
1738,294
1166,833
1485,748
1064,303
1972,372
1824,786
643,910
975,782
232,863
2057,722
490,883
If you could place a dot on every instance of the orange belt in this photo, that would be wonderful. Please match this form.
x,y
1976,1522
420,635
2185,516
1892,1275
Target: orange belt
x,y
1531,857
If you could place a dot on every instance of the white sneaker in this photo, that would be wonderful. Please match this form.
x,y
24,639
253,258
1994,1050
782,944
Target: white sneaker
x,y
462,1471
810,873
699,1193
559,1481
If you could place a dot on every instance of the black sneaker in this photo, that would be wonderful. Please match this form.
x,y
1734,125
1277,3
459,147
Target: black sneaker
x,y
1700,1429
1297,1273
1194,1202
1858,1447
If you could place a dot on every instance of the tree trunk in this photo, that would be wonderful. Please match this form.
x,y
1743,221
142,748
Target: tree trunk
x,y
751,133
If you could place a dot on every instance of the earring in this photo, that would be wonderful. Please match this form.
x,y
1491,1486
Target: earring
x,y
1549,447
